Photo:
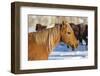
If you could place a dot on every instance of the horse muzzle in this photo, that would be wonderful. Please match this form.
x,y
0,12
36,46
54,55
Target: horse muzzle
x,y
74,46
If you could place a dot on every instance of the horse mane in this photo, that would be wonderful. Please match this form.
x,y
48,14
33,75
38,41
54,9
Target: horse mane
x,y
54,36
40,37
69,26
48,36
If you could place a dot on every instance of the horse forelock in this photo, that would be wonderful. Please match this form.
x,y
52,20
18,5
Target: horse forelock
x,y
69,27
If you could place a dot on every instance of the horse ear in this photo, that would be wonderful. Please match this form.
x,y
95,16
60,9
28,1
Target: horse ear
x,y
63,22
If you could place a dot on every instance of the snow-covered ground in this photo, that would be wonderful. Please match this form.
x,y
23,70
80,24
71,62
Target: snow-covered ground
x,y
61,52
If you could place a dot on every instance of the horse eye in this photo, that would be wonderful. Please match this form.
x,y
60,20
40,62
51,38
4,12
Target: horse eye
x,y
69,32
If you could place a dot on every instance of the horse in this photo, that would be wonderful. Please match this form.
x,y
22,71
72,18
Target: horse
x,y
40,27
81,32
41,43
75,29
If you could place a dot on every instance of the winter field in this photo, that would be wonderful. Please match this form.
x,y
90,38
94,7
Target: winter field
x,y
62,52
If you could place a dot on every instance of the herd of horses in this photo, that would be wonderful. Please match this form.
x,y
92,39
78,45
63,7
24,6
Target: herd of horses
x,y
81,32
42,42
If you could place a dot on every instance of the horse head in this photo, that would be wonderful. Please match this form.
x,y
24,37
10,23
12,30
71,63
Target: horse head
x,y
68,36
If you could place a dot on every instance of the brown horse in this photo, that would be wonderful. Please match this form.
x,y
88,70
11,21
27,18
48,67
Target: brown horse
x,y
76,30
81,32
39,27
41,43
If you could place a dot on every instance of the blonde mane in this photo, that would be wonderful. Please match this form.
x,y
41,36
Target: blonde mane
x,y
68,25
49,36
40,37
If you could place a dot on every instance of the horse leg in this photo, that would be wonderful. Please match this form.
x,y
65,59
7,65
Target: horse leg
x,y
80,40
86,40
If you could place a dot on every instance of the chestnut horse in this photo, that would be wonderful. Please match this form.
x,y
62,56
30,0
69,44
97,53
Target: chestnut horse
x,y
41,43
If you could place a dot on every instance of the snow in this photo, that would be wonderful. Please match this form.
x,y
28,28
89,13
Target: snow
x,y
62,52
67,55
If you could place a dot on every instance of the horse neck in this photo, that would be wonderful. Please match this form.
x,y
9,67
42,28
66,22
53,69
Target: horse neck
x,y
54,37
